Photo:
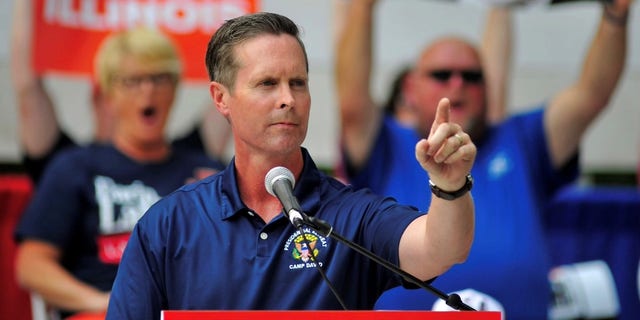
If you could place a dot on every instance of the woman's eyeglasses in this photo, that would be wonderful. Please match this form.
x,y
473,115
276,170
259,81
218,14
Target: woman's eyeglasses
x,y
135,82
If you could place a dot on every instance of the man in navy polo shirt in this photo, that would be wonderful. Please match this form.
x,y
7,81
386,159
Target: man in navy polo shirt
x,y
224,243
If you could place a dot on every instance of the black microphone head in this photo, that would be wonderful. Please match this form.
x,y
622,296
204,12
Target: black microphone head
x,y
275,174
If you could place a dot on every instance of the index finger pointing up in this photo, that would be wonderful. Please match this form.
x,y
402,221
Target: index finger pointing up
x,y
442,114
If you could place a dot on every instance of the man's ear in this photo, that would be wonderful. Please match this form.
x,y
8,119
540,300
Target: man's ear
x,y
219,94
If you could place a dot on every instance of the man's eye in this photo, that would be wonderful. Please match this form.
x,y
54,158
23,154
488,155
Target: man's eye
x,y
268,83
299,83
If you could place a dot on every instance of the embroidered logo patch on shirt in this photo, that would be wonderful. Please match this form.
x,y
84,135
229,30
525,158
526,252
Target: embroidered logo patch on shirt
x,y
305,248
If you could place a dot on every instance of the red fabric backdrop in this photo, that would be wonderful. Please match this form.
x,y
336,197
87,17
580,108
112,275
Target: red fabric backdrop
x,y
15,192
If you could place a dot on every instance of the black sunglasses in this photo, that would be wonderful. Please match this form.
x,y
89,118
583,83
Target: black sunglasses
x,y
469,76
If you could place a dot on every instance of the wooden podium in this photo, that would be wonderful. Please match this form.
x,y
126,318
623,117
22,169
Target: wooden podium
x,y
333,315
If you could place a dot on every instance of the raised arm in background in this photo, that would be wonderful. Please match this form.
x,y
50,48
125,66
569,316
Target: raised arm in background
x,y
359,114
571,111
38,126
41,135
496,53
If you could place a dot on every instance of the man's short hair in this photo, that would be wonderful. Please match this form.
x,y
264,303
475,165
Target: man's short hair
x,y
220,60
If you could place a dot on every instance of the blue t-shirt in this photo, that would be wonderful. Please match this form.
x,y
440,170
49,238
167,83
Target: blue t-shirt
x,y
202,248
513,181
89,200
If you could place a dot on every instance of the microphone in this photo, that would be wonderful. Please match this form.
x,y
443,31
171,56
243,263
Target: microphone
x,y
279,182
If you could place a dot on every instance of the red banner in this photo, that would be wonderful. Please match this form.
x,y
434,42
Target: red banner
x,y
67,33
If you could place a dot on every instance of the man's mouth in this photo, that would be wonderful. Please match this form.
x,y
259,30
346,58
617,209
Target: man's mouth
x,y
150,115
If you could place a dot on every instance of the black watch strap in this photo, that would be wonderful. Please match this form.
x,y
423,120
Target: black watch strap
x,y
453,194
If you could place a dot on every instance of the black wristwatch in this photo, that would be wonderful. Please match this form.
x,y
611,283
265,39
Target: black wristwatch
x,y
454,194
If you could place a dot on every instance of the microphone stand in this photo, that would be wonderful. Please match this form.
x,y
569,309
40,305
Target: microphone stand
x,y
452,300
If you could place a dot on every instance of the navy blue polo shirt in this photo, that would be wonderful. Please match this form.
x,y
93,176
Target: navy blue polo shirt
x,y
202,248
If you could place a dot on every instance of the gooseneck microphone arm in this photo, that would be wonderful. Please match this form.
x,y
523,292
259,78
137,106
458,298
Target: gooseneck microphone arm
x,y
452,300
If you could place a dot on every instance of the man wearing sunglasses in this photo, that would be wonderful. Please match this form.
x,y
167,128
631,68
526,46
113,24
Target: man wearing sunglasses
x,y
521,160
